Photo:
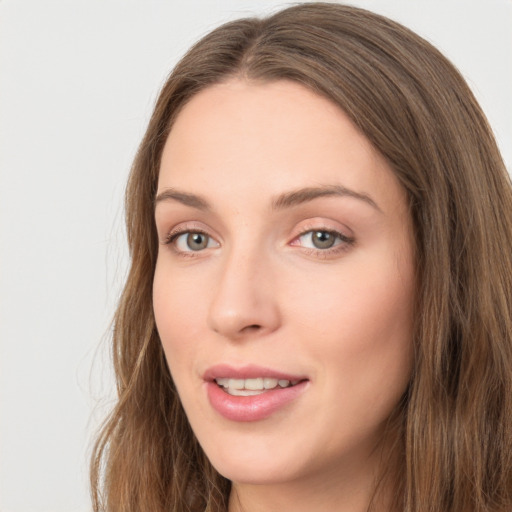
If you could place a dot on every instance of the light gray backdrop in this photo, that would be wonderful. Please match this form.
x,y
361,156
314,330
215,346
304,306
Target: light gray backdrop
x,y
77,83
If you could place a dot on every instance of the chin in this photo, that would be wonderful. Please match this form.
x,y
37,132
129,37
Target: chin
x,y
245,474
253,466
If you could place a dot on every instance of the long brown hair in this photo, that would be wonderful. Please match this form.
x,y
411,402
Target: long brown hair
x,y
455,421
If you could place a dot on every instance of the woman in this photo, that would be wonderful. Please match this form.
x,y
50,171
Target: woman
x,y
318,310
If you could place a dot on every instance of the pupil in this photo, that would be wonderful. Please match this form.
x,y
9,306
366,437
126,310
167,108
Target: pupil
x,y
323,239
197,241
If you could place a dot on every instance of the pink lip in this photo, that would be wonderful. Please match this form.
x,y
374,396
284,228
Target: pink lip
x,y
250,408
247,372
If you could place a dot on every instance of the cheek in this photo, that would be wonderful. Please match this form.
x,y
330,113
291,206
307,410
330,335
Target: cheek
x,y
359,325
360,298
177,308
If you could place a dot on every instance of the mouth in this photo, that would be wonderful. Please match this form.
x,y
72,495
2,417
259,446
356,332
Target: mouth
x,y
252,393
253,386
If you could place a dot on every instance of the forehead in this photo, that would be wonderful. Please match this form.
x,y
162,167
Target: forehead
x,y
272,136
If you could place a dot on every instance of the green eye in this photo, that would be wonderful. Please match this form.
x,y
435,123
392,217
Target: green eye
x,y
323,239
197,241
192,241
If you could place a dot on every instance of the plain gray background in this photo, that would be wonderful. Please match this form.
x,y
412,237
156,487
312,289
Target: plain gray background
x,y
77,83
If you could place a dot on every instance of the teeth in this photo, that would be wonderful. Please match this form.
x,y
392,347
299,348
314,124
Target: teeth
x,y
243,392
254,384
236,383
248,387
269,383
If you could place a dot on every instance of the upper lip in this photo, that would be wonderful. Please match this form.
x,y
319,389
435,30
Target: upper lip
x,y
247,372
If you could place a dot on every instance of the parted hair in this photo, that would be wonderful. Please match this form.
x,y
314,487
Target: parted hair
x,y
454,424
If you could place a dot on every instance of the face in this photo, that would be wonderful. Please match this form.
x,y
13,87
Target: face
x,y
284,284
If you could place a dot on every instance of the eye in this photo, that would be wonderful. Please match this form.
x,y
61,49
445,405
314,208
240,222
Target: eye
x,y
322,239
191,241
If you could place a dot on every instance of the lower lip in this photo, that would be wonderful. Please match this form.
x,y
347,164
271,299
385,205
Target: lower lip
x,y
255,407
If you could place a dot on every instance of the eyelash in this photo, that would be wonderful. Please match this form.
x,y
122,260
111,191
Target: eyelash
x,y
345,241
171,238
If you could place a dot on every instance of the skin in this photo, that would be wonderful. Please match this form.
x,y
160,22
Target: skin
x,y
262,293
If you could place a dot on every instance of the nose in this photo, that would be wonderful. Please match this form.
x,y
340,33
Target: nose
x,y
245,301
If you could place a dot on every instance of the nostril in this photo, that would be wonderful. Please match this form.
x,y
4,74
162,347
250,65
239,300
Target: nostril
x,y
253,327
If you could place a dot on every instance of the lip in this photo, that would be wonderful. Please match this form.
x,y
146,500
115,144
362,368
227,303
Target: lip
x,y
254,407
247,372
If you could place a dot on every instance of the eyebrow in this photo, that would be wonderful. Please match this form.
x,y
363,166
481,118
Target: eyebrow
x,y
283,201
185,198
304,195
